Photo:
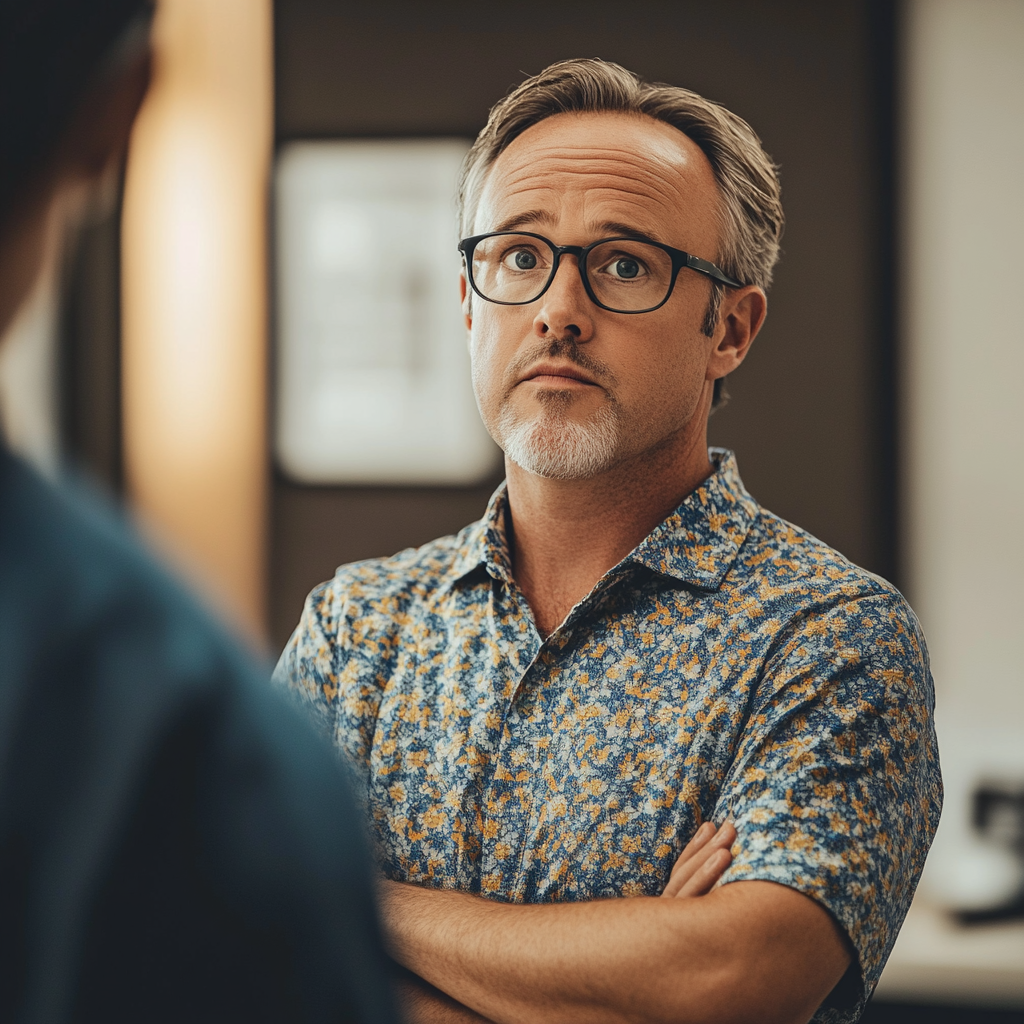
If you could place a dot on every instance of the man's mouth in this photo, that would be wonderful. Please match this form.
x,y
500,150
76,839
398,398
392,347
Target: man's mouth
x,y
557,373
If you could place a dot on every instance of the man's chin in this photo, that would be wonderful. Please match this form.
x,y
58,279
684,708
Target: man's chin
x,y
562,448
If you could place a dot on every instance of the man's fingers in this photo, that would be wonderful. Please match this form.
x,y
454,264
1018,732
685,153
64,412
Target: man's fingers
x,y
702,862
700,839
700,873
704,879
704,840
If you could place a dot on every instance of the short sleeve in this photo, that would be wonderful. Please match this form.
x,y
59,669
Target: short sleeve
x,y
330,667
835,789
308,666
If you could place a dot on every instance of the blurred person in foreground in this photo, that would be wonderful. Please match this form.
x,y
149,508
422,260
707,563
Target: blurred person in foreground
x,y
627,654
174,844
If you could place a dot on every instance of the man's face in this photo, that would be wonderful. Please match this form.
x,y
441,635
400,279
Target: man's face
x,y
566,388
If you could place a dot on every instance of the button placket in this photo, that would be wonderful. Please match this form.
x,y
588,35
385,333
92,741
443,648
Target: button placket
x,y
509,803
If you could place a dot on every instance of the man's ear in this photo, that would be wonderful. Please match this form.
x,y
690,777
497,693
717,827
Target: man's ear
x,y
464,298
740,318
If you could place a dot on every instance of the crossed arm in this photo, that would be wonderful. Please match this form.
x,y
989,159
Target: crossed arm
x,y
747,951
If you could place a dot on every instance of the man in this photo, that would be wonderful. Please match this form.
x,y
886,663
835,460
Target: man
x,y
547,707
172,844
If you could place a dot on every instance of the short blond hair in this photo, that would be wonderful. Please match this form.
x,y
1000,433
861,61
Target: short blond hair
x,y
751,208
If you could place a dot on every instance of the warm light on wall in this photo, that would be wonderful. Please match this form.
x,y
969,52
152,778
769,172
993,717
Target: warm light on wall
x,y
194,245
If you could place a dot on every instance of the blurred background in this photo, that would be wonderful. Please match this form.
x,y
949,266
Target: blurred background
x,y
255,340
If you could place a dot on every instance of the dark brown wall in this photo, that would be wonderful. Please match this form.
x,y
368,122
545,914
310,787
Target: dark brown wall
x,y
809,415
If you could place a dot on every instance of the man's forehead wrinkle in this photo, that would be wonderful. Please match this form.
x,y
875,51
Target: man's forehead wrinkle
x,y
606,191
629,168
581,178
598,215
633,196
601,203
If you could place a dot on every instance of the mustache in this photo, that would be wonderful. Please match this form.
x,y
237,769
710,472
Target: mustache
x,y
566,347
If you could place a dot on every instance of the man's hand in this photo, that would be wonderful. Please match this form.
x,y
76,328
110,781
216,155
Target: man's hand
x,y
695,873
703,861
749,951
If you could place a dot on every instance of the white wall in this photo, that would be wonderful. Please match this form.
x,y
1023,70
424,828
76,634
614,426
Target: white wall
x,y
964,383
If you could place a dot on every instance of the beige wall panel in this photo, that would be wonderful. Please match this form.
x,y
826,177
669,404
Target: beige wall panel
x,y
194,370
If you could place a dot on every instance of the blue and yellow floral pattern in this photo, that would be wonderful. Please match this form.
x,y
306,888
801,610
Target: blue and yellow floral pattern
x,y
731,666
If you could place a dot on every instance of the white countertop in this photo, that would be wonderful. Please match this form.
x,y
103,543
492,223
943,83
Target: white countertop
x,y
936,960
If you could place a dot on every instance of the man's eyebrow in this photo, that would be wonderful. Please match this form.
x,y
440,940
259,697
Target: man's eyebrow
x,y
522,220
616,229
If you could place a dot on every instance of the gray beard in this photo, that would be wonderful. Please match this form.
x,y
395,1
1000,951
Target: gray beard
x,y
552,445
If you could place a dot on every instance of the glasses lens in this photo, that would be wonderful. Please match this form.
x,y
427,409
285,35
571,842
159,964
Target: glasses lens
x,y
511,268
629,276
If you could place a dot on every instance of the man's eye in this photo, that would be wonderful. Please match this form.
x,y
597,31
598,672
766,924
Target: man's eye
x,y
521,259
625,268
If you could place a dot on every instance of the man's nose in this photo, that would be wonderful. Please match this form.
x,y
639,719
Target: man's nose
x,y
565,308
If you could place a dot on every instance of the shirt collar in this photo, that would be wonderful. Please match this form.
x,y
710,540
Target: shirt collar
x,y
696,544
486,543
699,541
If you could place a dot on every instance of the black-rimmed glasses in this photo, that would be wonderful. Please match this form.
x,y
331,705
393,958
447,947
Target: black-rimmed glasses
x,y
622,275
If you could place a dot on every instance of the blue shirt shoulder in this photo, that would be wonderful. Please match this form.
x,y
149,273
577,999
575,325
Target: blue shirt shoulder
x,y
172,845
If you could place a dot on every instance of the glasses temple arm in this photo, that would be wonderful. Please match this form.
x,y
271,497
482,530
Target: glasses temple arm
x,y
704,267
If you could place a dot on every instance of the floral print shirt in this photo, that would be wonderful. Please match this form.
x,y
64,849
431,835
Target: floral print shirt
x,y
731,666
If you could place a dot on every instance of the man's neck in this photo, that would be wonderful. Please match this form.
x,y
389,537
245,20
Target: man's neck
x,y
566,534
